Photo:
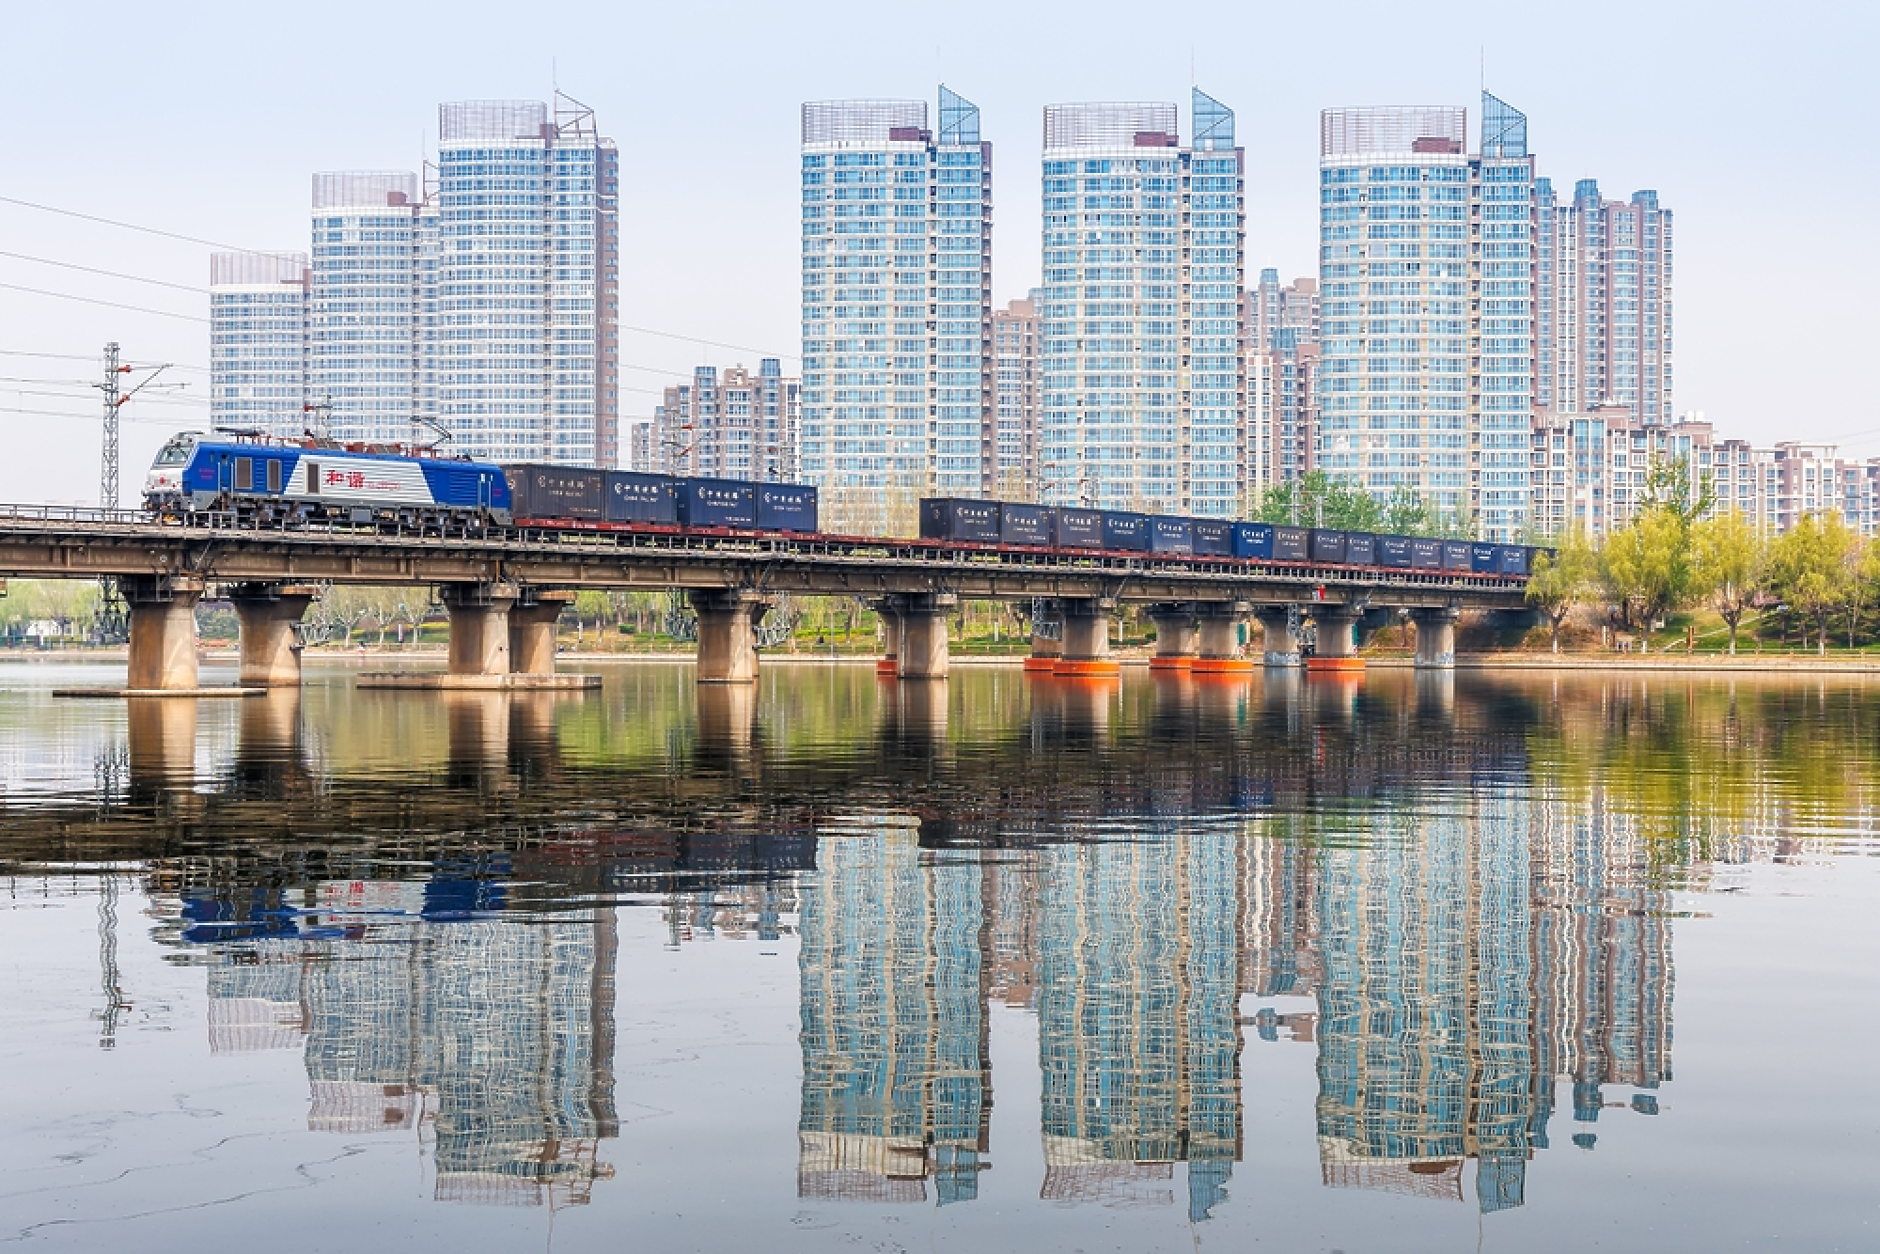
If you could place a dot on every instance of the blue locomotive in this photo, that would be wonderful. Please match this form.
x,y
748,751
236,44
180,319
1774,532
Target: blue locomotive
x,y
288,483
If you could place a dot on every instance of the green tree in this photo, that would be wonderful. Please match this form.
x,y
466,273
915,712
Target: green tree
x,y
1669,486
1558,583
1809,568
1647,566
1728,558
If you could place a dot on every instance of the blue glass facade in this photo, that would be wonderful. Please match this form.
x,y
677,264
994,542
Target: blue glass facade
x,y
897,302
1143,382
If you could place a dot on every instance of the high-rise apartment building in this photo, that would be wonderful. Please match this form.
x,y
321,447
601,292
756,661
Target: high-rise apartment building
x,y
1427,258
1140,309
363,315
485,305
1272,307
258,342
897,301
1017,407
737,425
1603,303
527,283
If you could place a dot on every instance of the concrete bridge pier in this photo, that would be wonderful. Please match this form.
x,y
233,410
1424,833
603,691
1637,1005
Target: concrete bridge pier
x,y
479,626
1281,646
1337,649
923,645
1220,652
532,630
1086,640
727,643
270,649
1176,636
163,631
1436,637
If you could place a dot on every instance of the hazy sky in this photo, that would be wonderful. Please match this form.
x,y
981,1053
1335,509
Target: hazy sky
x,y
1755,123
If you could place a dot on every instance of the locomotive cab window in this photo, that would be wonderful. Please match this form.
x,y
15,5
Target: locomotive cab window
x,y
244,474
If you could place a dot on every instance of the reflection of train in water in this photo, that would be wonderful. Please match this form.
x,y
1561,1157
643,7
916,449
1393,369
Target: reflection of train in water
x,y
282,483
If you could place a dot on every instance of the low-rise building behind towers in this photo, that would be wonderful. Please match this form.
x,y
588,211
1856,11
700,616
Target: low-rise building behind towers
x,y
729,425
1016,396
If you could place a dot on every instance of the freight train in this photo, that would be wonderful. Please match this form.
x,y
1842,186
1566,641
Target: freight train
x,y
285,483
294,483
1005,523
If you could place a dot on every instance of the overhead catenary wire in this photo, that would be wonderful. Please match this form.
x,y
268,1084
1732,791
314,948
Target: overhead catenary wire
x,y
109,274
109,304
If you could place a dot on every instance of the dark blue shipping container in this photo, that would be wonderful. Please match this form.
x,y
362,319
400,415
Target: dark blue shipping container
x,y
1360,548
951,518
1078,528
1213,538
637,498
1456,555
1394,552
1025,524
717,503
786,507
1483,559
1253,540
1292,544
1512,559
1426,554
1327,545
1171,535
1125,531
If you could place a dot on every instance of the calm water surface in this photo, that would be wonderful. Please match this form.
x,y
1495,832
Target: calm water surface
x,y
1505,963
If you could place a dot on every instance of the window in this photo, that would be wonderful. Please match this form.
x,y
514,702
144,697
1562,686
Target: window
x,y
274,475
244,474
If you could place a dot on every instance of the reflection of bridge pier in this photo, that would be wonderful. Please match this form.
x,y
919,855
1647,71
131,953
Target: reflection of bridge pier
x,y
478,724
915,715
727,725
162,734
268,748
1076,709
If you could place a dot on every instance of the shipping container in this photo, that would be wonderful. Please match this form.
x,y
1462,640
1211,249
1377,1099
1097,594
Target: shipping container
x,y
1253,540
1125,531
1426,554
557,492
717,503
1483,559
1077,528
1214,537
1327,545
1394,552
1512,559
1025,524
1360,548
1456,556
638,498
1168,534
786,507
1292,544
957,519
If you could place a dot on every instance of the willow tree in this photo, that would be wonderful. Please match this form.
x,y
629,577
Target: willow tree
x,y
1809,568
1558,583
1728,558
1647,566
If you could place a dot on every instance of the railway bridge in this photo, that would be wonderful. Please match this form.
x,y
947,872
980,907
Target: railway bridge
x,y
504,590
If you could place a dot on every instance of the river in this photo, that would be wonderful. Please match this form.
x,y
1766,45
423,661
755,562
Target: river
x,y
1406,962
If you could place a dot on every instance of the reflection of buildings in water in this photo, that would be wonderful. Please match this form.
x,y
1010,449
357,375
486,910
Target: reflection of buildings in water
x,y
1012,906
896,1056
1468,962
493,1037
1602,956
1137,1001
764,912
